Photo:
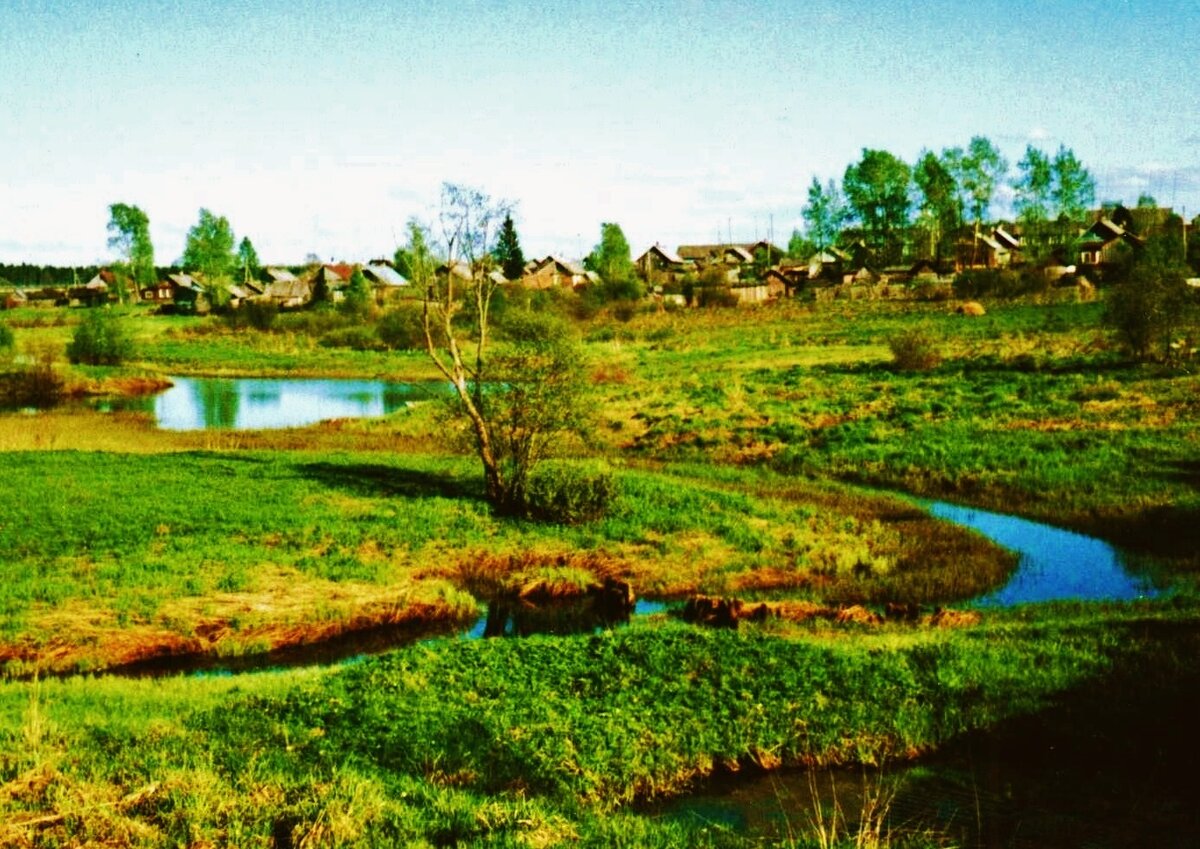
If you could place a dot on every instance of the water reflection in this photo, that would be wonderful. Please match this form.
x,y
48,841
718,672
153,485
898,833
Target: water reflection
x,y
249,404
1054,565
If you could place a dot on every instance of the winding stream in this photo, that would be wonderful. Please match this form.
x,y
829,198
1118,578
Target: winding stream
x,y
1054,565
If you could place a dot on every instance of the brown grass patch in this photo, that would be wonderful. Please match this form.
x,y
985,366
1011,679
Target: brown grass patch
x,y
946,618
286,610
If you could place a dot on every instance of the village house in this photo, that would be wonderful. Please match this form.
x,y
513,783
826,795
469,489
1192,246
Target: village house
x,y
729,253
659,265
188,295
386,282
995,249
553,272
1104,242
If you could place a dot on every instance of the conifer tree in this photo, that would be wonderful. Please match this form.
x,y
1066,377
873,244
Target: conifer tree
x,y
508,251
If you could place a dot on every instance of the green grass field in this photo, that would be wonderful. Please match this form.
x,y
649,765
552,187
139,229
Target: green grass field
x,y
754,452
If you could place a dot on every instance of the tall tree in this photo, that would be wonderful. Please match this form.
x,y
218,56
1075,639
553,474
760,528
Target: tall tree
x,y
941,205
357,300
129,233
877,189
468,219
825,213
415,261
247,259
799,246
1032,190
209,247
613,261
508,251
1074,189
512,398
982,168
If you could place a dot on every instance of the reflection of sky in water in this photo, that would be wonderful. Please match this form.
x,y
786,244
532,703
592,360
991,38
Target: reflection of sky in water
x,y
1055,564
249,404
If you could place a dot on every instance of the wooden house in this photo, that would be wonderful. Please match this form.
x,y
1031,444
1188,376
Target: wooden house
x,y
386,282
159,293
288,292
1104,242
984,250
188,295
729,253
658,264
827,264
554,272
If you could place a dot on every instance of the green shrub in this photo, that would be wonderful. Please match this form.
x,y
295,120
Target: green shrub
x,y
314,321
357,338
6,337
716,296
914,350
998,283
569,492
401,329
1151,305
260,315
100,340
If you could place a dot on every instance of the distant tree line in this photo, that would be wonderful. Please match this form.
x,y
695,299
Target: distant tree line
x,y
901,210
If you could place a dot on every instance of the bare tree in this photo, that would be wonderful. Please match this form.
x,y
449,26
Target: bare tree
x,y
468,222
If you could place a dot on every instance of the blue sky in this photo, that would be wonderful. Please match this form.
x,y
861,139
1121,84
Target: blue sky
x,y
322,126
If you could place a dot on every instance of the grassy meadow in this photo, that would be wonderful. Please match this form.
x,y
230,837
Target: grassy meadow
x,y
766,453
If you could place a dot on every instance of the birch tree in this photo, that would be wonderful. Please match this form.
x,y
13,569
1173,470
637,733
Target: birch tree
x,y
519,399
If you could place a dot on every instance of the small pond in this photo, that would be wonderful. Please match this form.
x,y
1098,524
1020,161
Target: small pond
x,y
1054,565
195,403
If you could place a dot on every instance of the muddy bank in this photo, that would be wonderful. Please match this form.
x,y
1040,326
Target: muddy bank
x,y
721,612
220,644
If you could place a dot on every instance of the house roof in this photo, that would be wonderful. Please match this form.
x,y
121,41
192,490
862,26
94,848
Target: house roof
x,y
666,253
829,256
185,281
385,275
1104,231
1006,238
703,252
279,275
286,290
335,272
741,253
563,266
461,270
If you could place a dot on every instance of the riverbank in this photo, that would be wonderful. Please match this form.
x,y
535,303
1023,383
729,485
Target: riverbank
x,y
546,741
119,559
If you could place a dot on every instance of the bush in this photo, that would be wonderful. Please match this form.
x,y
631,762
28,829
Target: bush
x,y
624,310
401,328
100,340
34,385
357,338
996,283
1152,305
316,321
6,337
914,350
716,296
569,492
260,315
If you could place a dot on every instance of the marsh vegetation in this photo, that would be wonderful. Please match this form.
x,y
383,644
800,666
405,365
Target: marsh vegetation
x,y
758,454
